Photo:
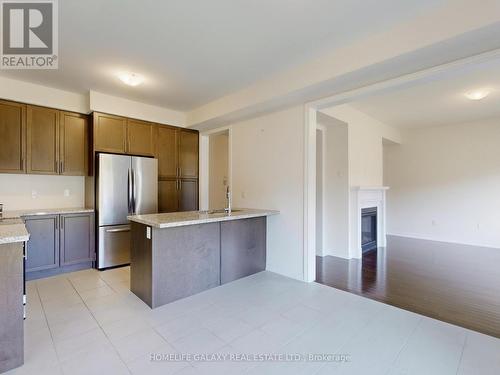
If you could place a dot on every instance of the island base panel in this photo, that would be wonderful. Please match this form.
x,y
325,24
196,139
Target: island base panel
x,y
11,306
243,248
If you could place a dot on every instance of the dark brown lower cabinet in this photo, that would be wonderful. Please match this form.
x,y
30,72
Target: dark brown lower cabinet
x,y
177,195
59,243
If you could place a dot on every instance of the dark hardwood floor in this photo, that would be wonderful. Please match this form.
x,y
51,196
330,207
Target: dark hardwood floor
x,y
458,284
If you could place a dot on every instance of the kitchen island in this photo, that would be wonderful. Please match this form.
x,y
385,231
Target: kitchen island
x,y
175,255
13,235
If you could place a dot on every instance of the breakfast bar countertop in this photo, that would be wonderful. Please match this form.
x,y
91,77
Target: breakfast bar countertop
x,y
179,219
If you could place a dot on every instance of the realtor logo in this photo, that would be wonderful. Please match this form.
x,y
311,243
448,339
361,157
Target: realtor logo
x,y
29,34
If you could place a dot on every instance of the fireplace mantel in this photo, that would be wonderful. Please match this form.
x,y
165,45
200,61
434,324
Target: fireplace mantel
x,y
366,197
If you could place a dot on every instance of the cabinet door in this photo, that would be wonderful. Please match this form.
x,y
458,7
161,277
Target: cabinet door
x,y
140,138
43,246
77,242
110,133
73,144
188,195
42,140
167,151
13,136
188,154
168,198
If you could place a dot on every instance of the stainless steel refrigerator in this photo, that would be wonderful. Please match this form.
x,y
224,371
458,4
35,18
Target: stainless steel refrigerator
x,y
125,185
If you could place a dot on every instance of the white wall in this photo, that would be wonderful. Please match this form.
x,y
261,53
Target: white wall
x,y
335,187
268,172
31,93
129,108
445,183
16,191
365,144
218,170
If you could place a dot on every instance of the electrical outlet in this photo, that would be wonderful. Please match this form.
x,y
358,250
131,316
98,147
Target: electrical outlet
x,y
66,192
34,194
243,195
433,223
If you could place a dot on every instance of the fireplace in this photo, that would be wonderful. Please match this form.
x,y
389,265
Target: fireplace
x,y
367,223
368,229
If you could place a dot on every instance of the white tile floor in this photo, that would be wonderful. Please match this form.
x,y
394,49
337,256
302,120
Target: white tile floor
x,y
88,322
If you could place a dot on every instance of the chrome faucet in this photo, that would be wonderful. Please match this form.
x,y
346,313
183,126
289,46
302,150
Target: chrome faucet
x,y
228,197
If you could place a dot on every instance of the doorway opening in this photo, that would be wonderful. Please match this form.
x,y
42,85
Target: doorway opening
x,y
332,187
218,169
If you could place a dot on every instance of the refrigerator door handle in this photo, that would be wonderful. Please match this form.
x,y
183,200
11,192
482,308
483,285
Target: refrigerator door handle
x,y
133,191
129,192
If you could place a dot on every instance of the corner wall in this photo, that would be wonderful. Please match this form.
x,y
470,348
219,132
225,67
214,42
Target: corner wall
x,y
366,160
268,172
335,187
445,184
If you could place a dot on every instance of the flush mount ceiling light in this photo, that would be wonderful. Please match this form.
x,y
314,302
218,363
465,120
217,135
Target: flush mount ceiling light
x,y
477,94
131,79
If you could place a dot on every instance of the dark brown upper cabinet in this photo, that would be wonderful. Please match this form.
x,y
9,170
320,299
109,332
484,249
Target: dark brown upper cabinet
x,y
13,136
188,154
42,140
140,138
167,152
73,145
110,133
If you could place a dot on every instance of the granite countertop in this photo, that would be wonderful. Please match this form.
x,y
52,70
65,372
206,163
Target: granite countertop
x,y
12,228
179,219
45,211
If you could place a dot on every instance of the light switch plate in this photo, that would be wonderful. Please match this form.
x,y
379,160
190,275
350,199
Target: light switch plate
x,y
148,233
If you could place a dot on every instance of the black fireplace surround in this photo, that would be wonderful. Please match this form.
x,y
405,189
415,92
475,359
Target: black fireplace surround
x,y
368,229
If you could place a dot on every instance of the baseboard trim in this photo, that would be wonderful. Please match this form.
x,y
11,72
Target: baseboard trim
x,y
418,237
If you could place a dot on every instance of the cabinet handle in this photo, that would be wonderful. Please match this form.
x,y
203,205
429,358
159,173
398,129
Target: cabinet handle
x,y
56,164
62,223
56,221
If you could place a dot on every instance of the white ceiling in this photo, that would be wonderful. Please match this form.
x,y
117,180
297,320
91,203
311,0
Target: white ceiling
x,y
192,52
439,102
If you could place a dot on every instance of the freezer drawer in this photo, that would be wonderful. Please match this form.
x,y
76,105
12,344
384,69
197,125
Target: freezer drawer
x,y
114,246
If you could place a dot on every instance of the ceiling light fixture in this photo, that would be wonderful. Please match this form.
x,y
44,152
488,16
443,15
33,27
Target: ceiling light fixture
x,y
131,79
477,94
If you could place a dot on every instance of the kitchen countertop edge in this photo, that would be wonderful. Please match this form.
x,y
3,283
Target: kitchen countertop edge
x,y
179,219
